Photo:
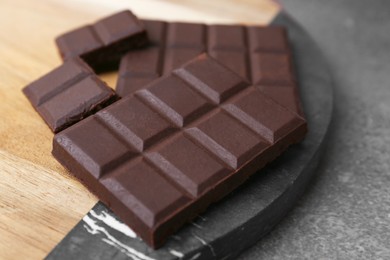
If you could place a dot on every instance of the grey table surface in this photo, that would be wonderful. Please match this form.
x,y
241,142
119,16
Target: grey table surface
x,y
345,214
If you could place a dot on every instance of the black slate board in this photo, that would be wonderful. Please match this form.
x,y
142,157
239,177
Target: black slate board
x,y
247,214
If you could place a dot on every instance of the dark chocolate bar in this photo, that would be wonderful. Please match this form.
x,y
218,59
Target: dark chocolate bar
x,y
159,157
103,43
68,94
259,54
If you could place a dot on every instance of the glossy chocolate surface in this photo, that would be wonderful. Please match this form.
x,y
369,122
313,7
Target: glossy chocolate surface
x,y
161,156
259,54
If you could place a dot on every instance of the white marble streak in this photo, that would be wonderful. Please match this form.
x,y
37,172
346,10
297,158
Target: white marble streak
x,y
92,227
113,223
201,240
176,253
196,256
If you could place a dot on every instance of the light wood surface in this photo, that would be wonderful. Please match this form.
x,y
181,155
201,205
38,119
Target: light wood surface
x,y
39,200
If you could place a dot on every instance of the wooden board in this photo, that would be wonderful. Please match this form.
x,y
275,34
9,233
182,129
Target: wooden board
x,y
39,201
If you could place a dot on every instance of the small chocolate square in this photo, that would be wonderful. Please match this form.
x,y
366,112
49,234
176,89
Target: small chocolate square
x,y
68,94
103,43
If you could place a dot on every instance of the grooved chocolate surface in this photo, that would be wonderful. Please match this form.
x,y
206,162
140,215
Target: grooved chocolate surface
x,y
161,156
103,43
68,94
259,54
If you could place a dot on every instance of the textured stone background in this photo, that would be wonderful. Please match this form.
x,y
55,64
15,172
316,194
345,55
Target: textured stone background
x,y
345,214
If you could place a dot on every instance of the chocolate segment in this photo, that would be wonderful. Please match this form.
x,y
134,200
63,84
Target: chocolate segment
x,y
259,54
159,157
68,94
102,44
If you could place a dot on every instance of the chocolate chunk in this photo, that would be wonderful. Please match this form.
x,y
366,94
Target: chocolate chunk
x,y
102,44
259,54
68,94
159,157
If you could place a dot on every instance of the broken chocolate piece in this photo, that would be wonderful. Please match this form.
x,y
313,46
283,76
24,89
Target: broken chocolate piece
x,y
103,43
68,94
257,53
161,156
